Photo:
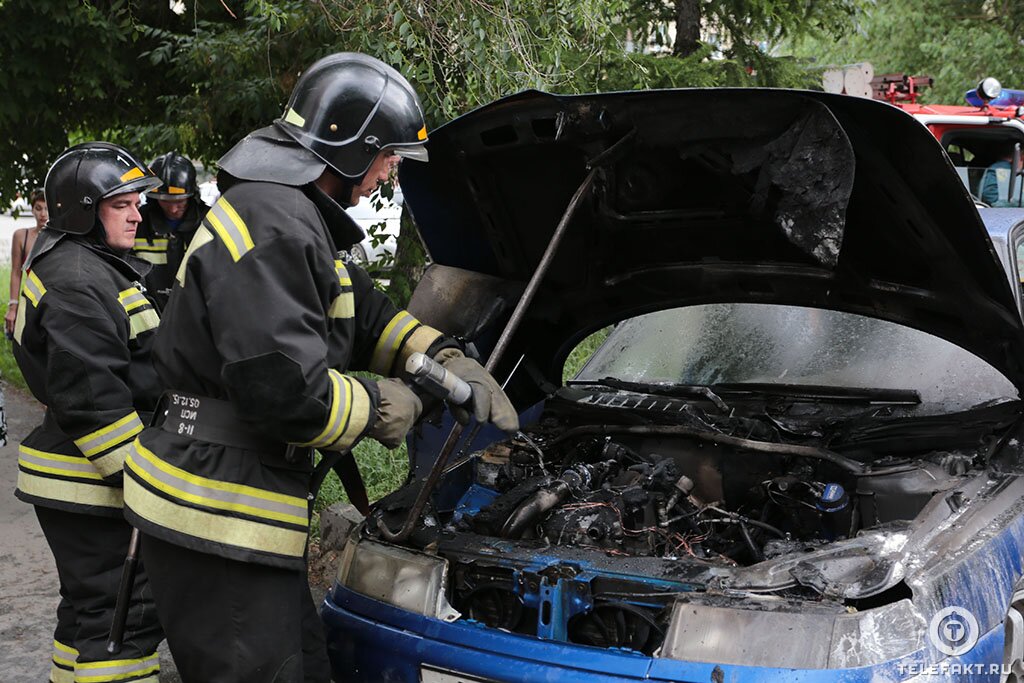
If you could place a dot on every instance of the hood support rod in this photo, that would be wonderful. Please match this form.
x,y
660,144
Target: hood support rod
x,y
496,355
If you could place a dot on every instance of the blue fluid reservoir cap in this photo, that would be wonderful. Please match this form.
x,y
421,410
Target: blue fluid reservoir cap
x,y
833,498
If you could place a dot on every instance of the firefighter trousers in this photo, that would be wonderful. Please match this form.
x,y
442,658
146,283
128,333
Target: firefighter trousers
x,y
235,622
89,552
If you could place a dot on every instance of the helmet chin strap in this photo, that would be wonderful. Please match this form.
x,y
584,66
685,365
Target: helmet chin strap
x,y
338,187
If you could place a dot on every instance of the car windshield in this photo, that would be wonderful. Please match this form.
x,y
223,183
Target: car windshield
x,y
758,343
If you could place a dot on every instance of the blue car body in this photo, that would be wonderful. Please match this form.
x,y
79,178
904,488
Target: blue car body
x,y
865,607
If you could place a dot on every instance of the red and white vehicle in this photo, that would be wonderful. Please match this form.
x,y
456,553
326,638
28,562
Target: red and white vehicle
x,y
982,137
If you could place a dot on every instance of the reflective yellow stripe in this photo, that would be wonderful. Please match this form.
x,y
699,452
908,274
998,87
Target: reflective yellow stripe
x,y
116,670
112,462
241,533
32,287
57,463
64,657
390,341
132,174
75,492
156,258
358,418
60,673
212,493
111,435
343,279
230,227
293,117
142,244
341,405
418,342
132,298
143,321
201,237
19,320
343,306
171,189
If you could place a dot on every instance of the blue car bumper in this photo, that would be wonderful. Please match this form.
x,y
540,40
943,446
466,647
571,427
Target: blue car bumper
x,y
393,645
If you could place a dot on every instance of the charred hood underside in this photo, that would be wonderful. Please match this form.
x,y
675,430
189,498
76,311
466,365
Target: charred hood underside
x,y
702,196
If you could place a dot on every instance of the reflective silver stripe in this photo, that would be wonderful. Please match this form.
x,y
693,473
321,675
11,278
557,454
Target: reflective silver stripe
x,y
344,305
143,321
132,298
33,287
341,395
210,526
221,495
111,435
57,463
64,654
343,279
118,669
390,341
230,227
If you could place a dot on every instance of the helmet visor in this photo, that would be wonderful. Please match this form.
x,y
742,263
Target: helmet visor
x,y
415,152
139,184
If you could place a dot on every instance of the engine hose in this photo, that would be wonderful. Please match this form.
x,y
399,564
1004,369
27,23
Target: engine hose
x,y
531,510
749,540
752,445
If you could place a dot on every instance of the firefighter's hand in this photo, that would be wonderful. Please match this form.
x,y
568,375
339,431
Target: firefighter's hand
x,y
10,318
397,413
489,402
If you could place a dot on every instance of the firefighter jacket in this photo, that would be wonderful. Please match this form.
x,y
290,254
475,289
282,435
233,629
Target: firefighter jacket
x,y
265,318
163,246
82,339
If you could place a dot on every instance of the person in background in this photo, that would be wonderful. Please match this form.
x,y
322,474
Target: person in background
x,y
169,220
82,340
995,183
21,245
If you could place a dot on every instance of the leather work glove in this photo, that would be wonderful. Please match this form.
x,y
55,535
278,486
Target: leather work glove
x,y
397,413
489,402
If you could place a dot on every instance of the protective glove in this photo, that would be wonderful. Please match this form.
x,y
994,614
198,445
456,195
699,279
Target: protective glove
x,y
397,413
489,402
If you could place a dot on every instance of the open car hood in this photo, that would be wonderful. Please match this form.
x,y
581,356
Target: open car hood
x,y
725,195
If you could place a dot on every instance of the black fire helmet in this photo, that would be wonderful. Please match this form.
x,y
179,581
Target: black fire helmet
x,y
83,175
177,174
348,107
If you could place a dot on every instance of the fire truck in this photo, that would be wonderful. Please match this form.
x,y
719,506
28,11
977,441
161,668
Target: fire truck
x,y
982,137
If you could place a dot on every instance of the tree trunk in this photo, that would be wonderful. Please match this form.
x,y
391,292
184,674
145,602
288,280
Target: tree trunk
x,y
410,262
687,27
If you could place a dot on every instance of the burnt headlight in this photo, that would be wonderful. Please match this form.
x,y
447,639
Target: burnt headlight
x,y
406,579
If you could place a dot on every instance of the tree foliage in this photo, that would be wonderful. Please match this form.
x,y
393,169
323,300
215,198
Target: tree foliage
x,y
135,72
957,42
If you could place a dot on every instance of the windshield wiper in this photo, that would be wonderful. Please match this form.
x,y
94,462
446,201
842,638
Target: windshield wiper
x,y
903,397
656,389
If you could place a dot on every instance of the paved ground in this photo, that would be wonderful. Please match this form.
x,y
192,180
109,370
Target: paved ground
x,y
28,579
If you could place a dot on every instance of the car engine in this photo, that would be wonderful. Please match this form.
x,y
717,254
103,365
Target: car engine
x,y
645,491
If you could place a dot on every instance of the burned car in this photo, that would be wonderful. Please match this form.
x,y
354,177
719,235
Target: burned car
x,y
797,454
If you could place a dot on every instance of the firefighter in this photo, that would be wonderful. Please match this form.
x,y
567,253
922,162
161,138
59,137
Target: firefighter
x,y
169,219
83,336
264,322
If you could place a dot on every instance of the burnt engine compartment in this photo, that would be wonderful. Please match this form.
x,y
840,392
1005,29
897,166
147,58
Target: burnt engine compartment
x,y
665,496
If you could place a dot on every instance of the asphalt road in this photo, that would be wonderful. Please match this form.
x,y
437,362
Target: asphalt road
x,y
28,578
